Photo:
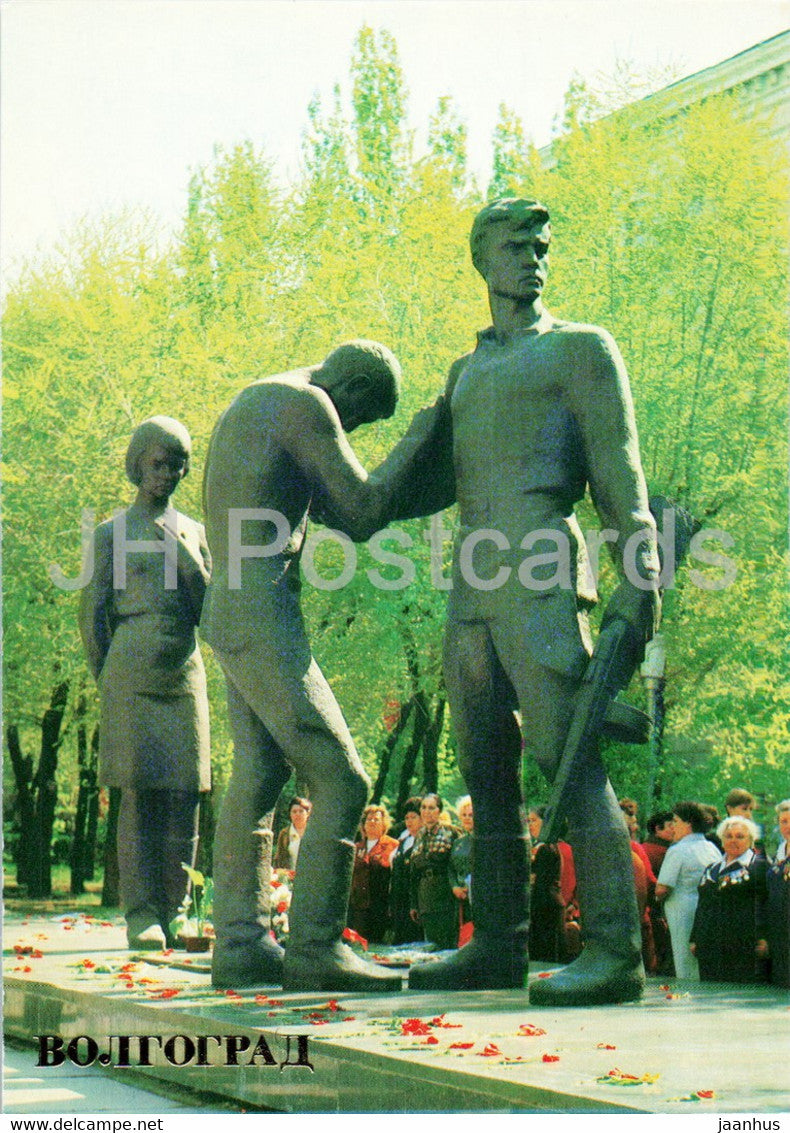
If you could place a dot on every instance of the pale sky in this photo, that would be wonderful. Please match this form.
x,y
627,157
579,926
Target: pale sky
x,y
111,103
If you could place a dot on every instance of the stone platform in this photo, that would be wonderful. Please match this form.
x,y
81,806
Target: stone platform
x,y
685,1049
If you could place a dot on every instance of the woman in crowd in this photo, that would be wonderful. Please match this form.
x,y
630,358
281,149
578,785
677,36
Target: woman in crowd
x,y
681,872
778,912
729,933
461,861
660,833
432,903
645,883
368,911
289,839
630,809
554,932
138,630
403,927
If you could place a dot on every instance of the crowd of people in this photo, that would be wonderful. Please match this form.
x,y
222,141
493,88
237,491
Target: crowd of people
x,y
414,887
714,906
713,903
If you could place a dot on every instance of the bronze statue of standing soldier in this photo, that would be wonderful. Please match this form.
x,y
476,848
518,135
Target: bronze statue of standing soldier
x,y
540,410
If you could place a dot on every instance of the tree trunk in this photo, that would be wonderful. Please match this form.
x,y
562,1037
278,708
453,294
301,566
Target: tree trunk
x,y
86,817
46,792
76,857
110,896
206,826
92,831
389,748
25,807
421,723
430,747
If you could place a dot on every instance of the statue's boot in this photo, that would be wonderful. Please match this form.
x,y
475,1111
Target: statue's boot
x,y
497,955
316,958
143,931
609,968
245,955
253,963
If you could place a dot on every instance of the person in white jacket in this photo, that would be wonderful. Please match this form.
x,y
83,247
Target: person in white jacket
x,y
678,879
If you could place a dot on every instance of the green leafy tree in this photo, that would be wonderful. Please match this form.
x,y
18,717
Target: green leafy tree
x,y
649,218
516,162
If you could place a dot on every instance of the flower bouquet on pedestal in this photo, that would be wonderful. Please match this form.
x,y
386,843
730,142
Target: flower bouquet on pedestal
x,y
193,929
281,902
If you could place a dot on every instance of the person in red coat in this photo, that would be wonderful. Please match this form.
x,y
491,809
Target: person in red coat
x,y
368,912
660,835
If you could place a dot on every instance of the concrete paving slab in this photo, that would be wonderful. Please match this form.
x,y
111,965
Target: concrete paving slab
x,y
683,1048
28,1088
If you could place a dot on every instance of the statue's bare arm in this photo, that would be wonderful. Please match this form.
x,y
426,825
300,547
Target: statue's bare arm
x,y
311,433
96,602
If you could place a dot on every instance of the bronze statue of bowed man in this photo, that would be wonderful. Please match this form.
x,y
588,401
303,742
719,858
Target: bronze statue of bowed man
x,y
277,456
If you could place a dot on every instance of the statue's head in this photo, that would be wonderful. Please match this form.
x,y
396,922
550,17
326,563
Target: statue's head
x,y
161,432
363,380
527,220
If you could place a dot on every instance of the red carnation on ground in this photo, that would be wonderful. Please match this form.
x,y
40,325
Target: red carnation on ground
x,y
415,1027
491,1051
353,937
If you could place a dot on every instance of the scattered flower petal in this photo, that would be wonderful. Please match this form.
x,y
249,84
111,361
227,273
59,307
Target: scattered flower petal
x,y
550,1058
354,938
461,1046
605,1046
491,1051
529,1029
616,1077
415,1027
